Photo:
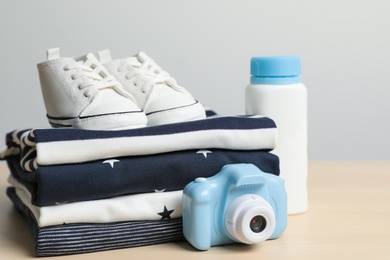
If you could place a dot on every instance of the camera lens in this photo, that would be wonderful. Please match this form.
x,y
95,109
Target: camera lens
x,y
250,219
258,224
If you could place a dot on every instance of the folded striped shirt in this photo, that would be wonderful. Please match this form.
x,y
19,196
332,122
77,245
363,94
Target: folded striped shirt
x,y
63,145
53,184
70,239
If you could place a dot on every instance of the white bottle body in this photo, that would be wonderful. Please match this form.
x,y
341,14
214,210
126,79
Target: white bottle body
x,y
287,106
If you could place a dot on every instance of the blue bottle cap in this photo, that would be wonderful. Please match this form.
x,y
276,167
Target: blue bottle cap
x,y
276,70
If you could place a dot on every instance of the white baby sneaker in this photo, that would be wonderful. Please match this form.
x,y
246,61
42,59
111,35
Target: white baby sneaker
x,y
154,90
80,93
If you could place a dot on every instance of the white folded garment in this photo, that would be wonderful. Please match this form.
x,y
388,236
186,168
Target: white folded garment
x,y
146,206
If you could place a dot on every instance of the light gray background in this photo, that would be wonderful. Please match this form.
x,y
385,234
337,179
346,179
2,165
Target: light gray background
x,y
207,45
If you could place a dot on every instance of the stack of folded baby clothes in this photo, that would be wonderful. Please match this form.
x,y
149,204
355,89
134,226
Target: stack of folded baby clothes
x,y
84,189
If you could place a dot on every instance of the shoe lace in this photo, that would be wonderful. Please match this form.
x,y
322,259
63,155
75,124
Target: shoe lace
x,y
97,77
147,67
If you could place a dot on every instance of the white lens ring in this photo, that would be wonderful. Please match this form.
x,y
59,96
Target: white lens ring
x,y
240,213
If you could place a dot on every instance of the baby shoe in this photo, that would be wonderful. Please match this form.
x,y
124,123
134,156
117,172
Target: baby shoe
x,y
154,90
80,93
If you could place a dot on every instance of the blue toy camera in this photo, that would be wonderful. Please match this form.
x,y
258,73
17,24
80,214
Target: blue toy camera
x,y
240,204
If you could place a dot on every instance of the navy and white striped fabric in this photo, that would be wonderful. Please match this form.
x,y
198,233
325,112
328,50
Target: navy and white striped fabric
x,y
21,143
64,146
88,237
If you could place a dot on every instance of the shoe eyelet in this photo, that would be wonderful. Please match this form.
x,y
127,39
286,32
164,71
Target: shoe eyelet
x,y
72,77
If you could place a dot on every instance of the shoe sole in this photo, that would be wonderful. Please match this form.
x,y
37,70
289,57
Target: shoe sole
x,y
190,112
117,121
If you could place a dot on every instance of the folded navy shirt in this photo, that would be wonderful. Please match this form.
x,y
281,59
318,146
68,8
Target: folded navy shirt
x,y
107,178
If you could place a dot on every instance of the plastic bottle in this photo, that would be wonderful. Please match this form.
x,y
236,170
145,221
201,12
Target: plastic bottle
x,y
276,91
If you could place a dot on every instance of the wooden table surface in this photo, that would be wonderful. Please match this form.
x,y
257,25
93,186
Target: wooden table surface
x,y
348,218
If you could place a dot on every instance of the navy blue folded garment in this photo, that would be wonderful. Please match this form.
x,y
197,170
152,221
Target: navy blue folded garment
x,y
131,175
70,239
65,146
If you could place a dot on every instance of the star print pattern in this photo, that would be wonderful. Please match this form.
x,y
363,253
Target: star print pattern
x,y
111,162
131,175
204,152
166,214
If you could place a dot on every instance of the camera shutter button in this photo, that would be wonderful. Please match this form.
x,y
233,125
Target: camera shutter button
x,y
200,179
